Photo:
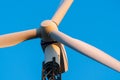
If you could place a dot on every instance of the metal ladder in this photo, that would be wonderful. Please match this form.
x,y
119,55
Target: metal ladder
x,y
51,71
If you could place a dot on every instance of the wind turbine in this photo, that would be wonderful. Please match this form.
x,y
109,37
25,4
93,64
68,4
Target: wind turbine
x,y
53,41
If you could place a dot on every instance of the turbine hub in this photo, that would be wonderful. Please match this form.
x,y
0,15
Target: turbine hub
x,y
47,27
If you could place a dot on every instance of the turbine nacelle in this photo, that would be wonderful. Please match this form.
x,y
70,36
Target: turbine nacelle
x,y
52,48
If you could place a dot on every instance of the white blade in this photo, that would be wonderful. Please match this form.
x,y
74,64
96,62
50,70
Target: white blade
x,y
60,13
15,38
86,49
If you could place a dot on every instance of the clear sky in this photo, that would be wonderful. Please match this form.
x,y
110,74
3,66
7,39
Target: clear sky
x,y
94,21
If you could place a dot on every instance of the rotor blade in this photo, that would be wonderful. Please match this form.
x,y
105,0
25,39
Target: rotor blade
x,y
62,10
16,38
86,49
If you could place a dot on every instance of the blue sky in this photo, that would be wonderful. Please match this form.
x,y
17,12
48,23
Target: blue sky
x,y
94,21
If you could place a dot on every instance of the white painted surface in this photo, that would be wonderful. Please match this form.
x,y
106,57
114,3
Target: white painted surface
x,y
16,38
86,49
52,51
65,59
62,10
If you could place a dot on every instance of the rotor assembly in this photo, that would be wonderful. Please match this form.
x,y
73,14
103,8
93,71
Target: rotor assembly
x,y
52,41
